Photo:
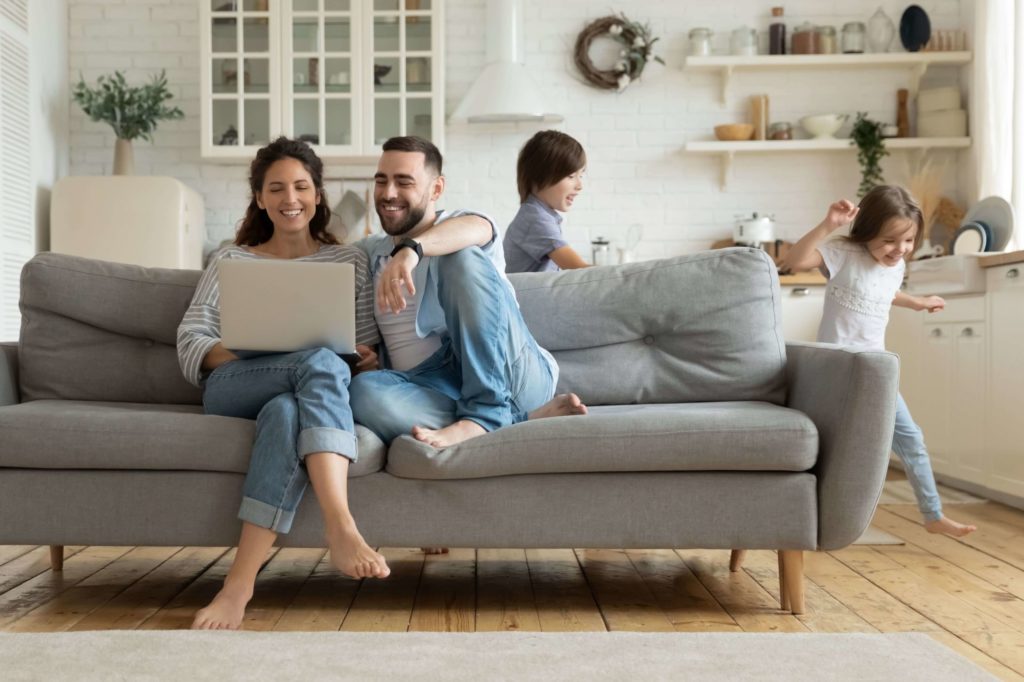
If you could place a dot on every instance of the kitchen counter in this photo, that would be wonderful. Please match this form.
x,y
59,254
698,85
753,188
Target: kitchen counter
x,y
1007,258
801,279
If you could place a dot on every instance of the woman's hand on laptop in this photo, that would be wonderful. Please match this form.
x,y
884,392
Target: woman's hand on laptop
x,y
367,360
396,273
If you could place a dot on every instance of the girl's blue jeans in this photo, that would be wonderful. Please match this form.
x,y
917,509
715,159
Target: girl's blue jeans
x,y
908,443
300,402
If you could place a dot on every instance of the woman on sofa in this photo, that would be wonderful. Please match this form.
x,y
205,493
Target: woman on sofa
x,y
300,401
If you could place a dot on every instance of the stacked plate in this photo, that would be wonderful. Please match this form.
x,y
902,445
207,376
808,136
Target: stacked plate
x,y
987,226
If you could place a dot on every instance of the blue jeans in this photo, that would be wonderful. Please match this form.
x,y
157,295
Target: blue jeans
x,y
908,443
300,404
489,368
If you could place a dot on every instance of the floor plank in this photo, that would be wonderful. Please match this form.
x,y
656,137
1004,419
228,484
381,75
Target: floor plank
x,y
322,602
504,596
446,599
625,600
278,584
9,552
28,565
179,612
564,600
386,605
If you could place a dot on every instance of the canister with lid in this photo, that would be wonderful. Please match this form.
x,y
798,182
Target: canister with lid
x,y
700,42
853,37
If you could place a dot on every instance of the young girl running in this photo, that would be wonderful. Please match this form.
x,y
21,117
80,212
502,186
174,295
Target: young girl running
x,y
549,175
865,271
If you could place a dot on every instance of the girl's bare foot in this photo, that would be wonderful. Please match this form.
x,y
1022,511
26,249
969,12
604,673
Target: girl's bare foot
x,y
562,405
352,556
947,526
226,610
453,434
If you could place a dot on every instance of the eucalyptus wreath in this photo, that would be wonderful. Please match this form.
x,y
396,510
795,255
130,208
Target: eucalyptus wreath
x,y
867,135
636,51
131,111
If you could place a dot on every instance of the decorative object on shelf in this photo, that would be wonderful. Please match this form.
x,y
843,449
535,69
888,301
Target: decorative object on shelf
x,y
230,136
853,37
939,113
915,28
782,130
946,41
132,112
997,214
826,39
734,132
867,135
759,116
743,41
881,31
379,72
972,237
777,33
890,130
823,126
637,50
902,117
805,39
700,42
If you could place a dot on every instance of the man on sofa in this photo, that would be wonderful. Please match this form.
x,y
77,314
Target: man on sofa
x,y
459,361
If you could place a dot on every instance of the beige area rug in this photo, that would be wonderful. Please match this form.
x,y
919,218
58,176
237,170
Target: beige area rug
x,y
182,655
877,536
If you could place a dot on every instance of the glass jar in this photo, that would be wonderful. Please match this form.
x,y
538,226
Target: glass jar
x,y
700,42
853,37
826,39
782,130
744,41
805,39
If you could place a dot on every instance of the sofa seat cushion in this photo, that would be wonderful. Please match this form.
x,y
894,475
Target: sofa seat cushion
x,y
724,436
71,434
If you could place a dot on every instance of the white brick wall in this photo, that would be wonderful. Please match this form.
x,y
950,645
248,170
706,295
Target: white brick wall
x,y
638,173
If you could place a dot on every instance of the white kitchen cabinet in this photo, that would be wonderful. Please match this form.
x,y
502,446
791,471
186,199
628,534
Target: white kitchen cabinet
x,y
801,312
943,380
1005,408
344,75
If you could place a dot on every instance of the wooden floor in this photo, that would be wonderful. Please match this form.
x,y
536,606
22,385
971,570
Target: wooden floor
x,y
967,594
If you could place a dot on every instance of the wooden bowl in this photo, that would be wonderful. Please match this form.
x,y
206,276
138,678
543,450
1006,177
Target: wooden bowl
x,y
734,131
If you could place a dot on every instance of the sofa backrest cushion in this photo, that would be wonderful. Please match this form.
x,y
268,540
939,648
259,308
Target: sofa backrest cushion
x,y
92,330
704,327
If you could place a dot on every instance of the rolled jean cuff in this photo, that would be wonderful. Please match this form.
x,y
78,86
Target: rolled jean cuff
x,y
327,439
930,516
266,515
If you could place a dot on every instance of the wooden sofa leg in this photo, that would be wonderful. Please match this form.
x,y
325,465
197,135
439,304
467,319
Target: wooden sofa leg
x,y
736,559
57,557
793,579
783,601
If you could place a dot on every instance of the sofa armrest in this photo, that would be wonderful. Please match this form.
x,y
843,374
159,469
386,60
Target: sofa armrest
x,y
851,398
9,374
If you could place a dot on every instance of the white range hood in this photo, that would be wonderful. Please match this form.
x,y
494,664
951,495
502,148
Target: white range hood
x,y
504,91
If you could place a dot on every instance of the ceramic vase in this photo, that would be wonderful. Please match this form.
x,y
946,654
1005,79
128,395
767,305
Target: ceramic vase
x,y
124,159
881,31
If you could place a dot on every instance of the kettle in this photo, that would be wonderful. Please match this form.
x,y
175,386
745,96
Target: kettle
x,y
753,230
601,251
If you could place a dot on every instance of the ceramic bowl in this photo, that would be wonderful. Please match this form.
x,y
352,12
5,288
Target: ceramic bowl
x,y
734,131
823,125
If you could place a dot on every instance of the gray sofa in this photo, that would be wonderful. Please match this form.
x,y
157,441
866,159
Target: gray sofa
x,y
706,429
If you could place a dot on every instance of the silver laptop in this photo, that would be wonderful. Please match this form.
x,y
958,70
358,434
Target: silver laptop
x,y
284,306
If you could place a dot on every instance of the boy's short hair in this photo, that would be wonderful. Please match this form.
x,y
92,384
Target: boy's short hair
x,y
878,207
412,143
545,159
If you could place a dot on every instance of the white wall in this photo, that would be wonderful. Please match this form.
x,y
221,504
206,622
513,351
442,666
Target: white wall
x,y
48,31
637,173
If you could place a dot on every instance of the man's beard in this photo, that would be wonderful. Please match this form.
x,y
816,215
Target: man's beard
x,y
416,214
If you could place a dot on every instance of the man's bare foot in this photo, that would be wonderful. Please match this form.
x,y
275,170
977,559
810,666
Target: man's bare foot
x,y
562,405
453,434
434,550
948,526
352,556
225,612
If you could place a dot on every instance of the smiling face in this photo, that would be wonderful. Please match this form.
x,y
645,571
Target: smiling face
x,y
561,195
288,196
404,192
894,241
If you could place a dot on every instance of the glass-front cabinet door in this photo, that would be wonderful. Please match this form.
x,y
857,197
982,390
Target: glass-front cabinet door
x,y
344,75
239,77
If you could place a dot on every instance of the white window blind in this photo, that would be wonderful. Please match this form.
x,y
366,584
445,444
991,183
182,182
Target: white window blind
x,y
17,203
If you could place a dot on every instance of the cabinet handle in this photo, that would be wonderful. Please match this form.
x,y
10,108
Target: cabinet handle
x,y
801,291
967,331
936,332
1012,273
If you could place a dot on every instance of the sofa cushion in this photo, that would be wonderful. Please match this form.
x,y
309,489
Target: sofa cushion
x,y
68,434
726,436
705,327
93,330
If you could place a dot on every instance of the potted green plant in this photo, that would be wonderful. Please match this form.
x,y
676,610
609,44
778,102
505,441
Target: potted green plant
x,y
867,135
132,112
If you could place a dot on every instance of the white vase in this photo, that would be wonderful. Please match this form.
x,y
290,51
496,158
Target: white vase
x,y
124,158
881,31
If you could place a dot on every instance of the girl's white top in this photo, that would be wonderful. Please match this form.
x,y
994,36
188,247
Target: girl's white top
x,y
858,297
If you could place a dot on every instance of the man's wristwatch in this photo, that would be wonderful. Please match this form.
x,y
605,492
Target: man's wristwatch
x,y
409,244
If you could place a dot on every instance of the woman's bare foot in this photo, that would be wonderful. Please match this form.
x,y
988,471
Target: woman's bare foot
x,y
226,610
562,405
434,550
948,526
453,434
352,556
